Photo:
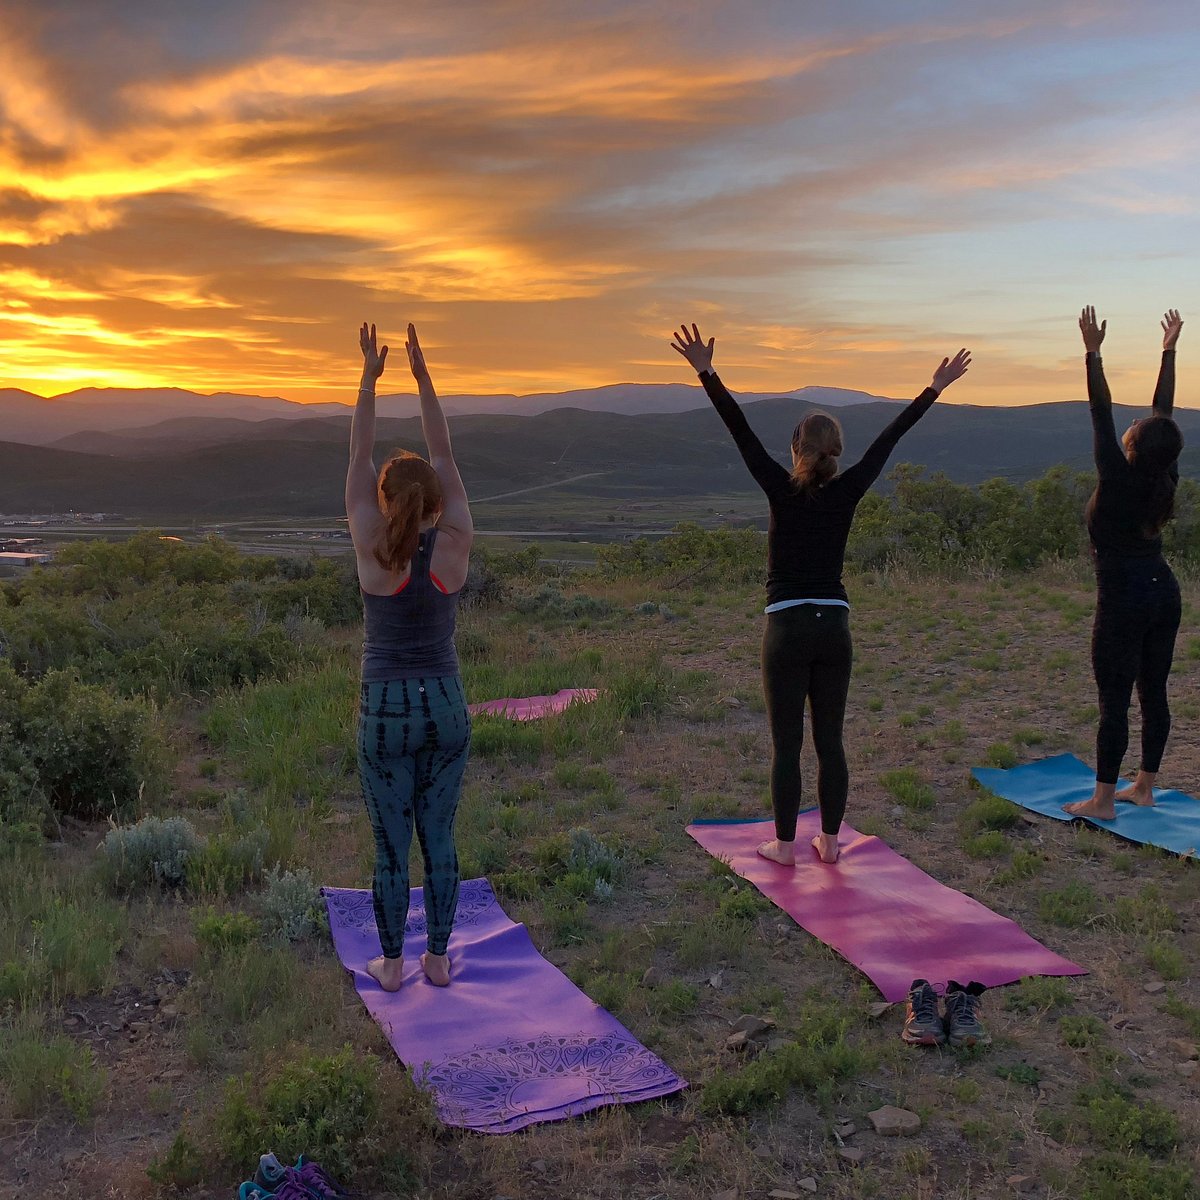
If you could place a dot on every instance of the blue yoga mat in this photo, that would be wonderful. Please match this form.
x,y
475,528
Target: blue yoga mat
x,y
1044,787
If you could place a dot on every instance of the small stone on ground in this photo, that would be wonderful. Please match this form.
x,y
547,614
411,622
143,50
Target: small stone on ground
x,y
890,1121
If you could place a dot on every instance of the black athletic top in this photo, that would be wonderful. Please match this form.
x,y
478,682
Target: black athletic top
x,y
1117,511
410,634
806,537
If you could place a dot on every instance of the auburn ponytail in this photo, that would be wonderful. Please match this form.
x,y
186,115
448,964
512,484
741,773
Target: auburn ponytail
x,y
409,493
816,444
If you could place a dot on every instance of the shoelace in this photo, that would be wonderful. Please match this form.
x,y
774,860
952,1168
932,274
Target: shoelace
x,y
965,1007
292,1190
319,1183
924,1004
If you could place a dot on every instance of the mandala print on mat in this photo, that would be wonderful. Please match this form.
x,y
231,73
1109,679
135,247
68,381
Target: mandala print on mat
x,y
356,908
484,1087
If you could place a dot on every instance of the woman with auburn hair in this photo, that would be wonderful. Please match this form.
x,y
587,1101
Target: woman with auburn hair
x,y
1138,605
411,527
807,651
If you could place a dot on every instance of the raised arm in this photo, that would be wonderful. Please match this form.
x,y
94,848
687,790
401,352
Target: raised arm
x,y
768,474
1106,449
868,468
361,475
456,511
1164,391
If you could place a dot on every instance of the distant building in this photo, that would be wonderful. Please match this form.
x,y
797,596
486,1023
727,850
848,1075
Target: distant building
x,y
15,558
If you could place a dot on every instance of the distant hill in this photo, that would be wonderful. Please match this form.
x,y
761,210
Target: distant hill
x,y
37,420
220,468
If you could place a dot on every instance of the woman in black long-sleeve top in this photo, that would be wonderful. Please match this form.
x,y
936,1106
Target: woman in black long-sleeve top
x,y
1137,596
807,650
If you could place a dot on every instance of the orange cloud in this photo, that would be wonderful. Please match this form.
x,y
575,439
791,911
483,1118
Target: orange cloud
x,y
538,201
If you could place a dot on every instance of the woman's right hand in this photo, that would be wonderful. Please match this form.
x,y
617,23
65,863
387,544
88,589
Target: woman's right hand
x,y
1172,323
950,370
373,359
698,352
416,356
1093,334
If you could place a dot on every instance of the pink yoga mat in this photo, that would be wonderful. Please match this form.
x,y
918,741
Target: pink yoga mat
x,y
529,708
880,912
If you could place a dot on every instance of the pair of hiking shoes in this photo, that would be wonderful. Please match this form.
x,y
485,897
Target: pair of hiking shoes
x,y
960,1026
305,1181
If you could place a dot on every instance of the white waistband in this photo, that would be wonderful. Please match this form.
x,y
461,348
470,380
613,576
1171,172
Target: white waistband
x,y
782,604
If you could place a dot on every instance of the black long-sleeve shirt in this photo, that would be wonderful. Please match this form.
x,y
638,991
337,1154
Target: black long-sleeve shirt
x,y
806,537
1118,511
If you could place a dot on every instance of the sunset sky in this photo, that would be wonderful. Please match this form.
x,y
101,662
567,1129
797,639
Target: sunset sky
x,y
212,195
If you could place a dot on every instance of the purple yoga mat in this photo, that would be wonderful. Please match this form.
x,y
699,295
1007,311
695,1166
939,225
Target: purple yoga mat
x,y
880,912
512,1041
529,708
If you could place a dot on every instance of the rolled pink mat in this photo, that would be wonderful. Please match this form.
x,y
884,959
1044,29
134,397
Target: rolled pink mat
x,y
880,912
529,708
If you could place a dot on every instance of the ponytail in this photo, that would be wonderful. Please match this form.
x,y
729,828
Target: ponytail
x,y
816,444
403,514
409,493
1154,446
813,469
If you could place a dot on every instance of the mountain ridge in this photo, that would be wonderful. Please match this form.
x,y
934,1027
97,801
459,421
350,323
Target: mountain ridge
x,y
296,468
44,420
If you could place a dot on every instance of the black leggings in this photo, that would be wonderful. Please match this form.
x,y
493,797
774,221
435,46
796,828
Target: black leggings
x,y
1133,641
806,655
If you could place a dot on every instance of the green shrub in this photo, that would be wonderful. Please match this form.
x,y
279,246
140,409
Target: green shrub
x,y
906,786
291,905
328,1108
818,1059
224,931
75,746
229,861
40,1071
181,1167
1070,906
989,844
156,850
1112,1176
1038,994
1114,1120
992,812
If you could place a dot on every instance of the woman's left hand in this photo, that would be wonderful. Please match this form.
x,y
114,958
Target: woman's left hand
x,y
950,370
1172,323
416,356
373,359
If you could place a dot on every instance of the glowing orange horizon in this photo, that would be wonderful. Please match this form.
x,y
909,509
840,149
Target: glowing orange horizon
x,y
547,211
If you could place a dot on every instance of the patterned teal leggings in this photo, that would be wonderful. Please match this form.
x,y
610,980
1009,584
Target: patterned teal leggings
x,y
413,738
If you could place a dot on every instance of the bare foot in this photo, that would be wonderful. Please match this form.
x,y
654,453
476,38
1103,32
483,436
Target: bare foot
x,y
437,968
826,845
387,972
1095,807
783,853
1141,791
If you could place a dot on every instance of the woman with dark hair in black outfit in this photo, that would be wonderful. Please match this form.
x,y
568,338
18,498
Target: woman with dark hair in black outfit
x,y
806,649
1137,596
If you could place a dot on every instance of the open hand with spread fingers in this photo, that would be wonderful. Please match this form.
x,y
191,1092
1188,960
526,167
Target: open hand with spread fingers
x,y
373,358
698,352
416,356
1093,334
950,370
1172,323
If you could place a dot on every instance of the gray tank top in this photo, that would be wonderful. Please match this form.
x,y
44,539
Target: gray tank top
x,y
410,634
